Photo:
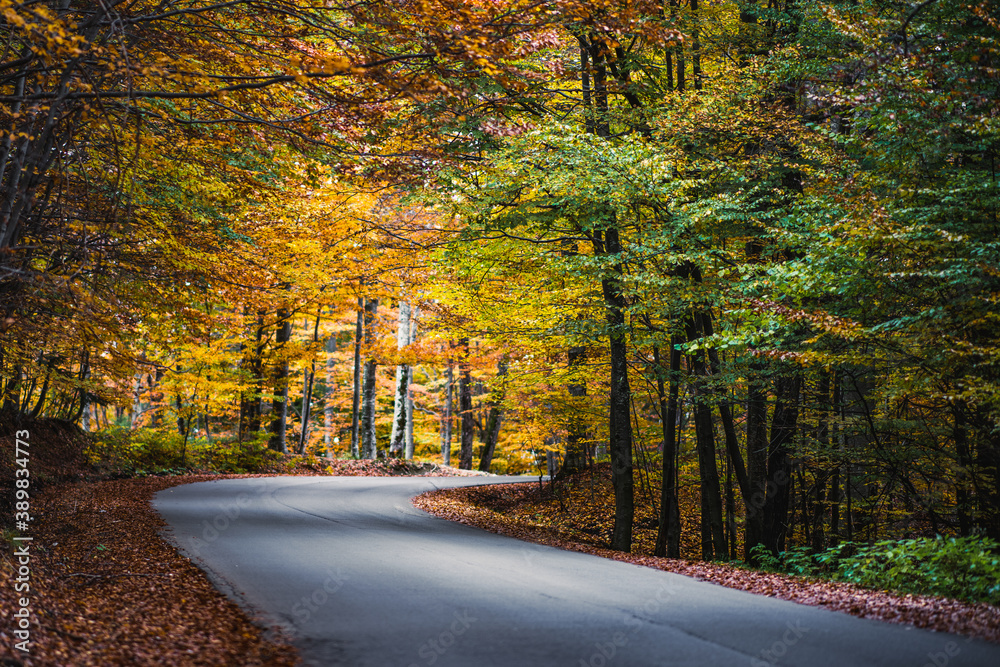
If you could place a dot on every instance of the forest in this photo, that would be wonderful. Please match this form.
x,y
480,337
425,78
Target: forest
x,y
742,256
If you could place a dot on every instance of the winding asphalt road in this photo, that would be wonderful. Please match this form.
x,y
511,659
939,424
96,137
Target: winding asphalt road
x,y
357,576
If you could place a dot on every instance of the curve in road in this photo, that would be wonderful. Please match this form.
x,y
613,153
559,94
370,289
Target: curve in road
x,y
357,576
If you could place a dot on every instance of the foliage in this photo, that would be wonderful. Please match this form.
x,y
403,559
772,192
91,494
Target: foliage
x,y
963,568
966,568
150,452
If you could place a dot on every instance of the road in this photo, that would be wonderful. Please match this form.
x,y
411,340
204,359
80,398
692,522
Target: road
x,y
357,576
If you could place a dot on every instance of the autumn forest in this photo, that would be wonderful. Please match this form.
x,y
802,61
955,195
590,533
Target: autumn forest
x,y
742,257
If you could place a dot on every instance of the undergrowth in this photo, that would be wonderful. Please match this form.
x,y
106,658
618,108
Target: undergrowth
x,y
121,452
964,568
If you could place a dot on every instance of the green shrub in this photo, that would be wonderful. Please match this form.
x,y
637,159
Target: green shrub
x,y
765,559
966,568
799,560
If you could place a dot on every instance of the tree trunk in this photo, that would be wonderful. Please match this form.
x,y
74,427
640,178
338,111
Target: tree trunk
x,y
779,462
398,437
182,424
408,441
730,510
695,46
465,408
330,349
279,405
369,446
713,540
250,404
620,417
726,413
446,416
963,508
823,437
668,537
680,50
356,399
43,394
620,400
495,418
308,380
576,458
756,463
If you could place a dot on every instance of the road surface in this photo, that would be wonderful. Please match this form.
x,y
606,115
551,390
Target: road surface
x,y
357,576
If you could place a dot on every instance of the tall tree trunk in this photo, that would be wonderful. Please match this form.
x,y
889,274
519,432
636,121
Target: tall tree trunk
x,y
307,390
279,405
668,536
308,381
330,347
369,446
588,106
680,50
495,417
465,408
576,458
713,539
620,417
356,399
726,413
493,424
250,402
609,244
43,394
446,414
137,408
962,483
695,46
398,437
779,461
730,510
408,441
823,437
182,424
756,462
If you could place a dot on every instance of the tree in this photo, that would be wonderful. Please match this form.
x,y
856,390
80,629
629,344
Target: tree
x,y
368,443
402,414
